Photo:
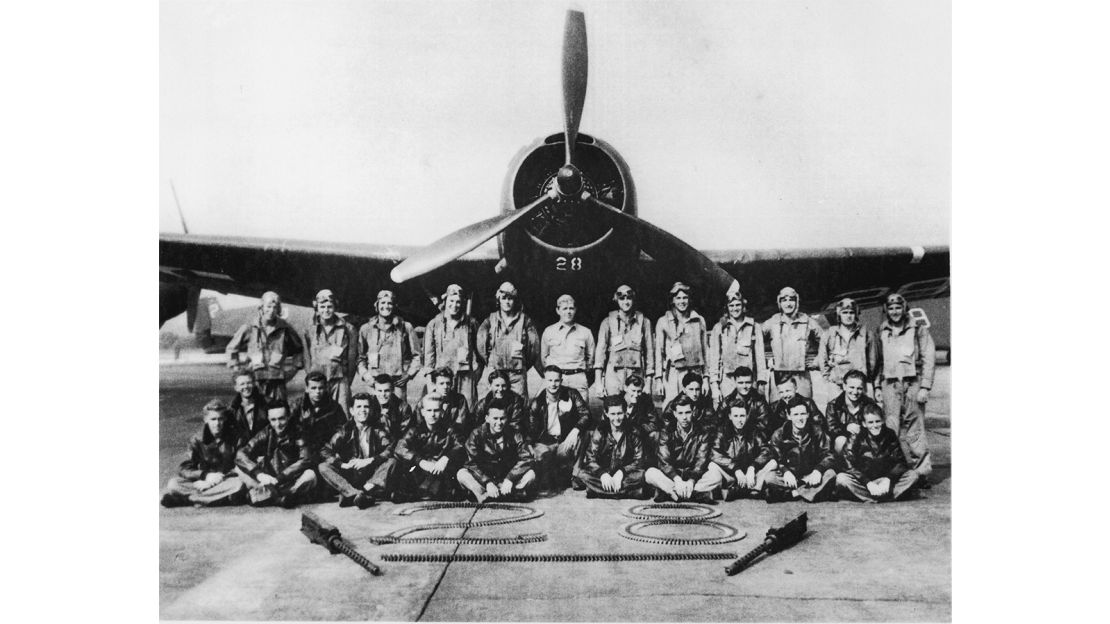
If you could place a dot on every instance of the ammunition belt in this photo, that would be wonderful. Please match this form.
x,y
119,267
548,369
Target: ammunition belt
x,y
551,557
641,512
523,538
399,536
730,533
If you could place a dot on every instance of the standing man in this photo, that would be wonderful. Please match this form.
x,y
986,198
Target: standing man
x,y
387,346
624,345
736,340
681,344
331,348
274,350
508,340
908,361
791,334
848,346
451,340
569,347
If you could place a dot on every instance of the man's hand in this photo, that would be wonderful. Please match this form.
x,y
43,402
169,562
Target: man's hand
x,y
751,479
812,478
790,480
882,485
202,485
567,445
599,385
233,362
213,478
716,390
491,490
506,486
607,483
742,479
853,428
441,465
922,395
267,479
428,466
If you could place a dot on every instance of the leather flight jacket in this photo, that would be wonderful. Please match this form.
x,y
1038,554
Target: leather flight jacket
x,y
491,462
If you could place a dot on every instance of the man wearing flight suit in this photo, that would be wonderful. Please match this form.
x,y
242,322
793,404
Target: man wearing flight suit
x,y
681,344
451,341
273,349
908,358
331,347
387,346
625,345
569,347
791,334
736,340
848,346
508,340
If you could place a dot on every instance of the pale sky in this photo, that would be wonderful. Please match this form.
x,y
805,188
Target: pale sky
x,y
745,124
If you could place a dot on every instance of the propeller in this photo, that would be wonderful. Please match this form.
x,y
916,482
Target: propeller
x,y
575,69
460,242
671,251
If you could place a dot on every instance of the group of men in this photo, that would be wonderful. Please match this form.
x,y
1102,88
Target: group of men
x,y
722,430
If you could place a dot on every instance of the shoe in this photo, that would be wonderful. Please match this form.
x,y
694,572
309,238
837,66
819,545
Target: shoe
x,y
169,500
577,485
777,495
591,494
705,498
400,498
731,494
364,500
923,483
287,502
661,497
346,501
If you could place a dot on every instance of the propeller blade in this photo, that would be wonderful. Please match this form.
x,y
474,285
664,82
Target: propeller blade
x,y
460,242
575,66
670,251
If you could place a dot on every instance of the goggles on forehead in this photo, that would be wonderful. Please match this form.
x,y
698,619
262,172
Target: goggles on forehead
x,y
624,295
788,298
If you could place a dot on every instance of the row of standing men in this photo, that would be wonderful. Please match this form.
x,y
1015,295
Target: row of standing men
x,y
897,360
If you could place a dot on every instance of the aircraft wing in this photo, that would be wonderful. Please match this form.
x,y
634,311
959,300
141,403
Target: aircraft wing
x,y
297,269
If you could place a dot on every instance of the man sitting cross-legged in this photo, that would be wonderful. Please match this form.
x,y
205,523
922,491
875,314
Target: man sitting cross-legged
x,y
429,456
877,466
805,461
358,459
682,459
207,477
499,462
740,454
613,466
557,429
276,463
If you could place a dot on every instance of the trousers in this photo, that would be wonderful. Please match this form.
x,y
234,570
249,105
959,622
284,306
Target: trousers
x,y
352,481
812,493
709,481
300,488
556,467
230,491
631,484
906,416
852,487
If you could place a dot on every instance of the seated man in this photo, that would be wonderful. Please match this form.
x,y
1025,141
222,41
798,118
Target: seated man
x,y
877,467
640,410
276,463
703,403
248,408
558,422
207,477
740,454
682,459
844,414
499,462
316,414
778,412
743,380
803,457
429,456
358,459
613,466
455,408
499,388
392,411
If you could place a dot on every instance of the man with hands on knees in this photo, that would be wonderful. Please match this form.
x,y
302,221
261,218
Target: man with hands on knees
x,y
499,462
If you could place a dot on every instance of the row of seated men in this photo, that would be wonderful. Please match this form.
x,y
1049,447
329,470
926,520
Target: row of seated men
x,y
507,449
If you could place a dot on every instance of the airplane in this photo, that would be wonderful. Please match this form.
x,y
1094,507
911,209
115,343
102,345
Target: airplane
x,y
568,223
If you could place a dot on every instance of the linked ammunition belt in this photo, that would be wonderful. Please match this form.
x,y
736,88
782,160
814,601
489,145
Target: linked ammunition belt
x,y
400,536
642,512
730,533
551,557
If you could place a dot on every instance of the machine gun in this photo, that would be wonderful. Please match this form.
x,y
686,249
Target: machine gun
x,y
319,532
777,539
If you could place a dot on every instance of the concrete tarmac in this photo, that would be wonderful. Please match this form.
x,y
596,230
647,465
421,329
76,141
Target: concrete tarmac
x,y
888,562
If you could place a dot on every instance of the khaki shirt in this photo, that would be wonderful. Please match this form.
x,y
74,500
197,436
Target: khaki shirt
x,y
624,344
843,349
387,348
678,343
325,342
451,344
907,350
735,343
569,347
790,339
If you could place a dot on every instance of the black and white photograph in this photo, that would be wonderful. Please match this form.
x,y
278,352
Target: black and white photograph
x,y
594,311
